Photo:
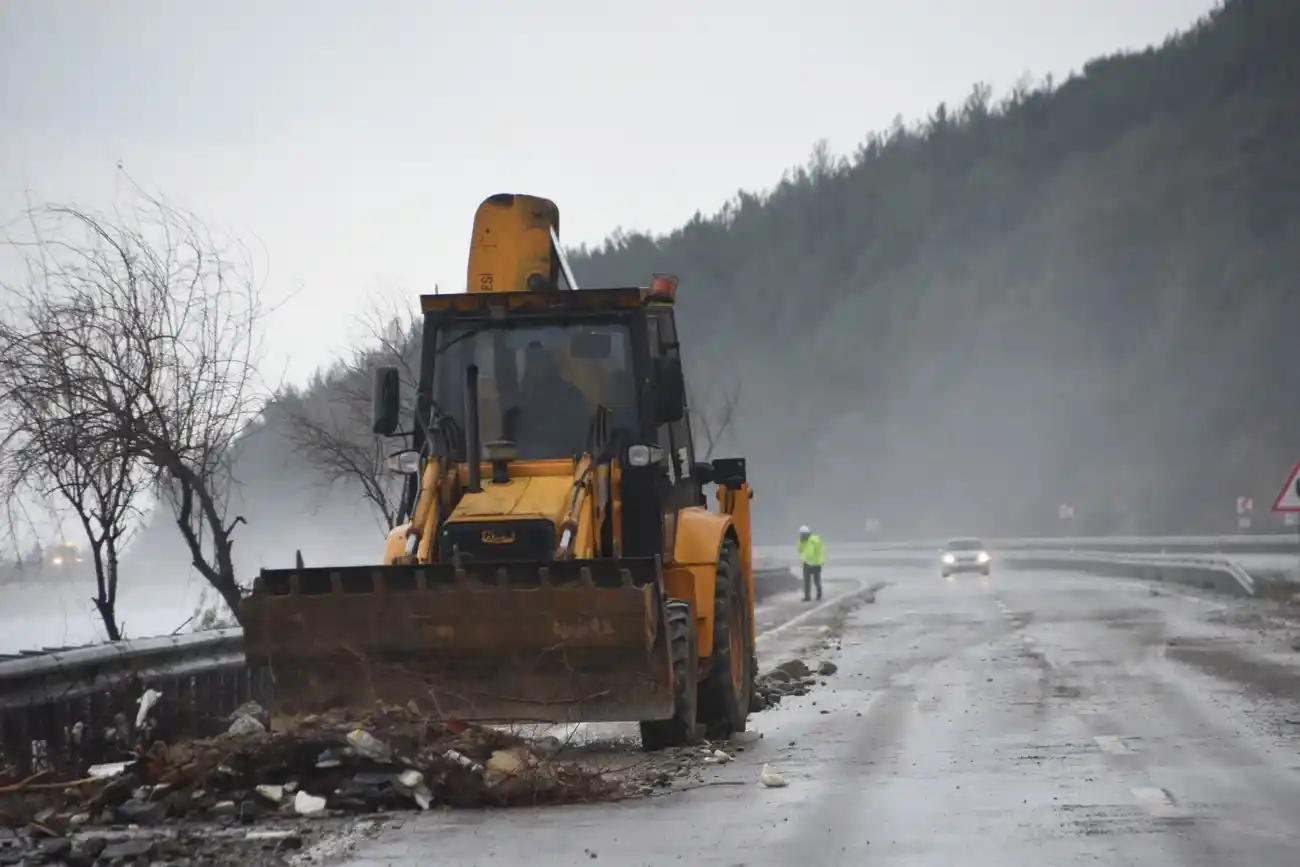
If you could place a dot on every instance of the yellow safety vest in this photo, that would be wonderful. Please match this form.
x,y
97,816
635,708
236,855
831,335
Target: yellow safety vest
x,y
811,551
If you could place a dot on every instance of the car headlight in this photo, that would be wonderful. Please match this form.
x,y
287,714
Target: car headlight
x,y
948,558
982,557
58,561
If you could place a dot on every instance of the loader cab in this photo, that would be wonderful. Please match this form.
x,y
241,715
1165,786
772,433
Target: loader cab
x,y
557,375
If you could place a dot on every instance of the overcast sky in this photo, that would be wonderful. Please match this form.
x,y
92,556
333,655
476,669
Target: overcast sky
x,y
354,140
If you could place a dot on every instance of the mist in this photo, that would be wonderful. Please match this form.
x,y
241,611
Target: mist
x,y
1079,293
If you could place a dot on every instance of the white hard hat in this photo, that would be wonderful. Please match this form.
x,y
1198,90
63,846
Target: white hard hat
x,y
804,531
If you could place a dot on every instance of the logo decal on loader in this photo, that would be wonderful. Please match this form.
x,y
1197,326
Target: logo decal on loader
x,y
492,537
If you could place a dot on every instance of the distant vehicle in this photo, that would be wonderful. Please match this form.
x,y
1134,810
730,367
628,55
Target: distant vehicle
x,y
965,554
64,555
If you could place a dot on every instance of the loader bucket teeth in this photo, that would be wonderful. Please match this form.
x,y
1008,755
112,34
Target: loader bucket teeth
x,y
568,641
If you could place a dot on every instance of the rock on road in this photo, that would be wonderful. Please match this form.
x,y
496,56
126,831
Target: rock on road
x,y
1023,719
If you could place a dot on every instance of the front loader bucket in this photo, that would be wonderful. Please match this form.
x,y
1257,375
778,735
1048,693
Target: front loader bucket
x,y
561,642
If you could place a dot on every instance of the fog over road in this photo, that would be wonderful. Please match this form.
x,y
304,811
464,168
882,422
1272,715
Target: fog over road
x,y
1023,719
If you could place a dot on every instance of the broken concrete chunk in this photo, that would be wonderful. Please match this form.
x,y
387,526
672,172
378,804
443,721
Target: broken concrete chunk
x,y
138,812
244,726
274,794
464,761
147,702
795,668
109,770
128,850
506,762
827,668
308,805
223,809
369,746
770,778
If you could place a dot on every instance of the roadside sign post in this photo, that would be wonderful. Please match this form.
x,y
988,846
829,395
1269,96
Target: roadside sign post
x,y
1288,499
1245,505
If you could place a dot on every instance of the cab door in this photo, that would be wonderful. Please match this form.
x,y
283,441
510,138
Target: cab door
x,y
681,489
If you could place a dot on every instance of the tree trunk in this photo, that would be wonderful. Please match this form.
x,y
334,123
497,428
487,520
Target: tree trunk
x,y
220,571
106,584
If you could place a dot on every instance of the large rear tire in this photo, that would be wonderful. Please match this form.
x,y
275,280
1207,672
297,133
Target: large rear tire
x,y
725,695
684,651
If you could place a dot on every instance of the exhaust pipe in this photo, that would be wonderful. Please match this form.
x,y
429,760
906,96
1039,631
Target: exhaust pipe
x,y
473,447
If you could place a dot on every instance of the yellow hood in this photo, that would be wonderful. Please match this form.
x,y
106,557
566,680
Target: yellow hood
x,y
523,497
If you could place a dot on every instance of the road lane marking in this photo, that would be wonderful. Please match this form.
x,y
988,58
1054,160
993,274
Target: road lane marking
x,y
1113,744
862,588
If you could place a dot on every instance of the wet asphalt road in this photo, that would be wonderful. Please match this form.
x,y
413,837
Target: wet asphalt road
x,y
1023,719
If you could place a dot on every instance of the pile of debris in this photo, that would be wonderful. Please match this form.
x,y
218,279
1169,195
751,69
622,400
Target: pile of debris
x,y
789,678
310,766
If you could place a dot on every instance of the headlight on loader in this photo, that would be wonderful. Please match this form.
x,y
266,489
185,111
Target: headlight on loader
x,y
643,455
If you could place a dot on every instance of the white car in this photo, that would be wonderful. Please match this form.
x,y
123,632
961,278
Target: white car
x,y
964,554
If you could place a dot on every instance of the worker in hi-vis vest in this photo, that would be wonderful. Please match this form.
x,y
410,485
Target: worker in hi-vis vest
x,y
813,555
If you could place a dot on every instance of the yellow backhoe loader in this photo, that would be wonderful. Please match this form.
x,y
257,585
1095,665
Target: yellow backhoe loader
x,y
555,560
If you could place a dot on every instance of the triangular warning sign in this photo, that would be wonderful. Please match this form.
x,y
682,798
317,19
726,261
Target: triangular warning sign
x,y
1289,499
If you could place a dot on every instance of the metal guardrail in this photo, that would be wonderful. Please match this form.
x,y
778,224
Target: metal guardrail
x,y
71,709
1280,543
771,579
1215,573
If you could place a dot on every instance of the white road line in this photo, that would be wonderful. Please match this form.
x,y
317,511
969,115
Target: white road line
x,y
1114,745
1157,802
814,611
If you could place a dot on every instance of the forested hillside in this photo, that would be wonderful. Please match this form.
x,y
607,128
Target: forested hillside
x,y
1082,293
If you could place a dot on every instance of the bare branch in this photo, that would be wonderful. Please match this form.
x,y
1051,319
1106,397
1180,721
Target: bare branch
x,y
712,419
330,427
138,344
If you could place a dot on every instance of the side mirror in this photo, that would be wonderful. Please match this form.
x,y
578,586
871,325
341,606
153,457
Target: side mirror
x,y
670,390
387,406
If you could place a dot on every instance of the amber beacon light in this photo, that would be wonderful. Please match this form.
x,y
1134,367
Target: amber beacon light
x,y
663,287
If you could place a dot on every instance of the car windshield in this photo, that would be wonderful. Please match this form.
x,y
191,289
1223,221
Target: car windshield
x,y
965,545
539,384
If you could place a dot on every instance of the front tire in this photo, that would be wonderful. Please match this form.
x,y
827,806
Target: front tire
x,y
683,647
725,695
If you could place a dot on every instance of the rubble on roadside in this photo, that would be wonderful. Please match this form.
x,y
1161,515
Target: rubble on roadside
x,y
793,677
326,766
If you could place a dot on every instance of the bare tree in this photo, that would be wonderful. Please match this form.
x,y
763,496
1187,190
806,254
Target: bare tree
x,y
55,445
330,427
712,418
160,320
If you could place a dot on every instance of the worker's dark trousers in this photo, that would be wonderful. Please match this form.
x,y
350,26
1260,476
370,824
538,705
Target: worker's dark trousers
x,y
810,574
